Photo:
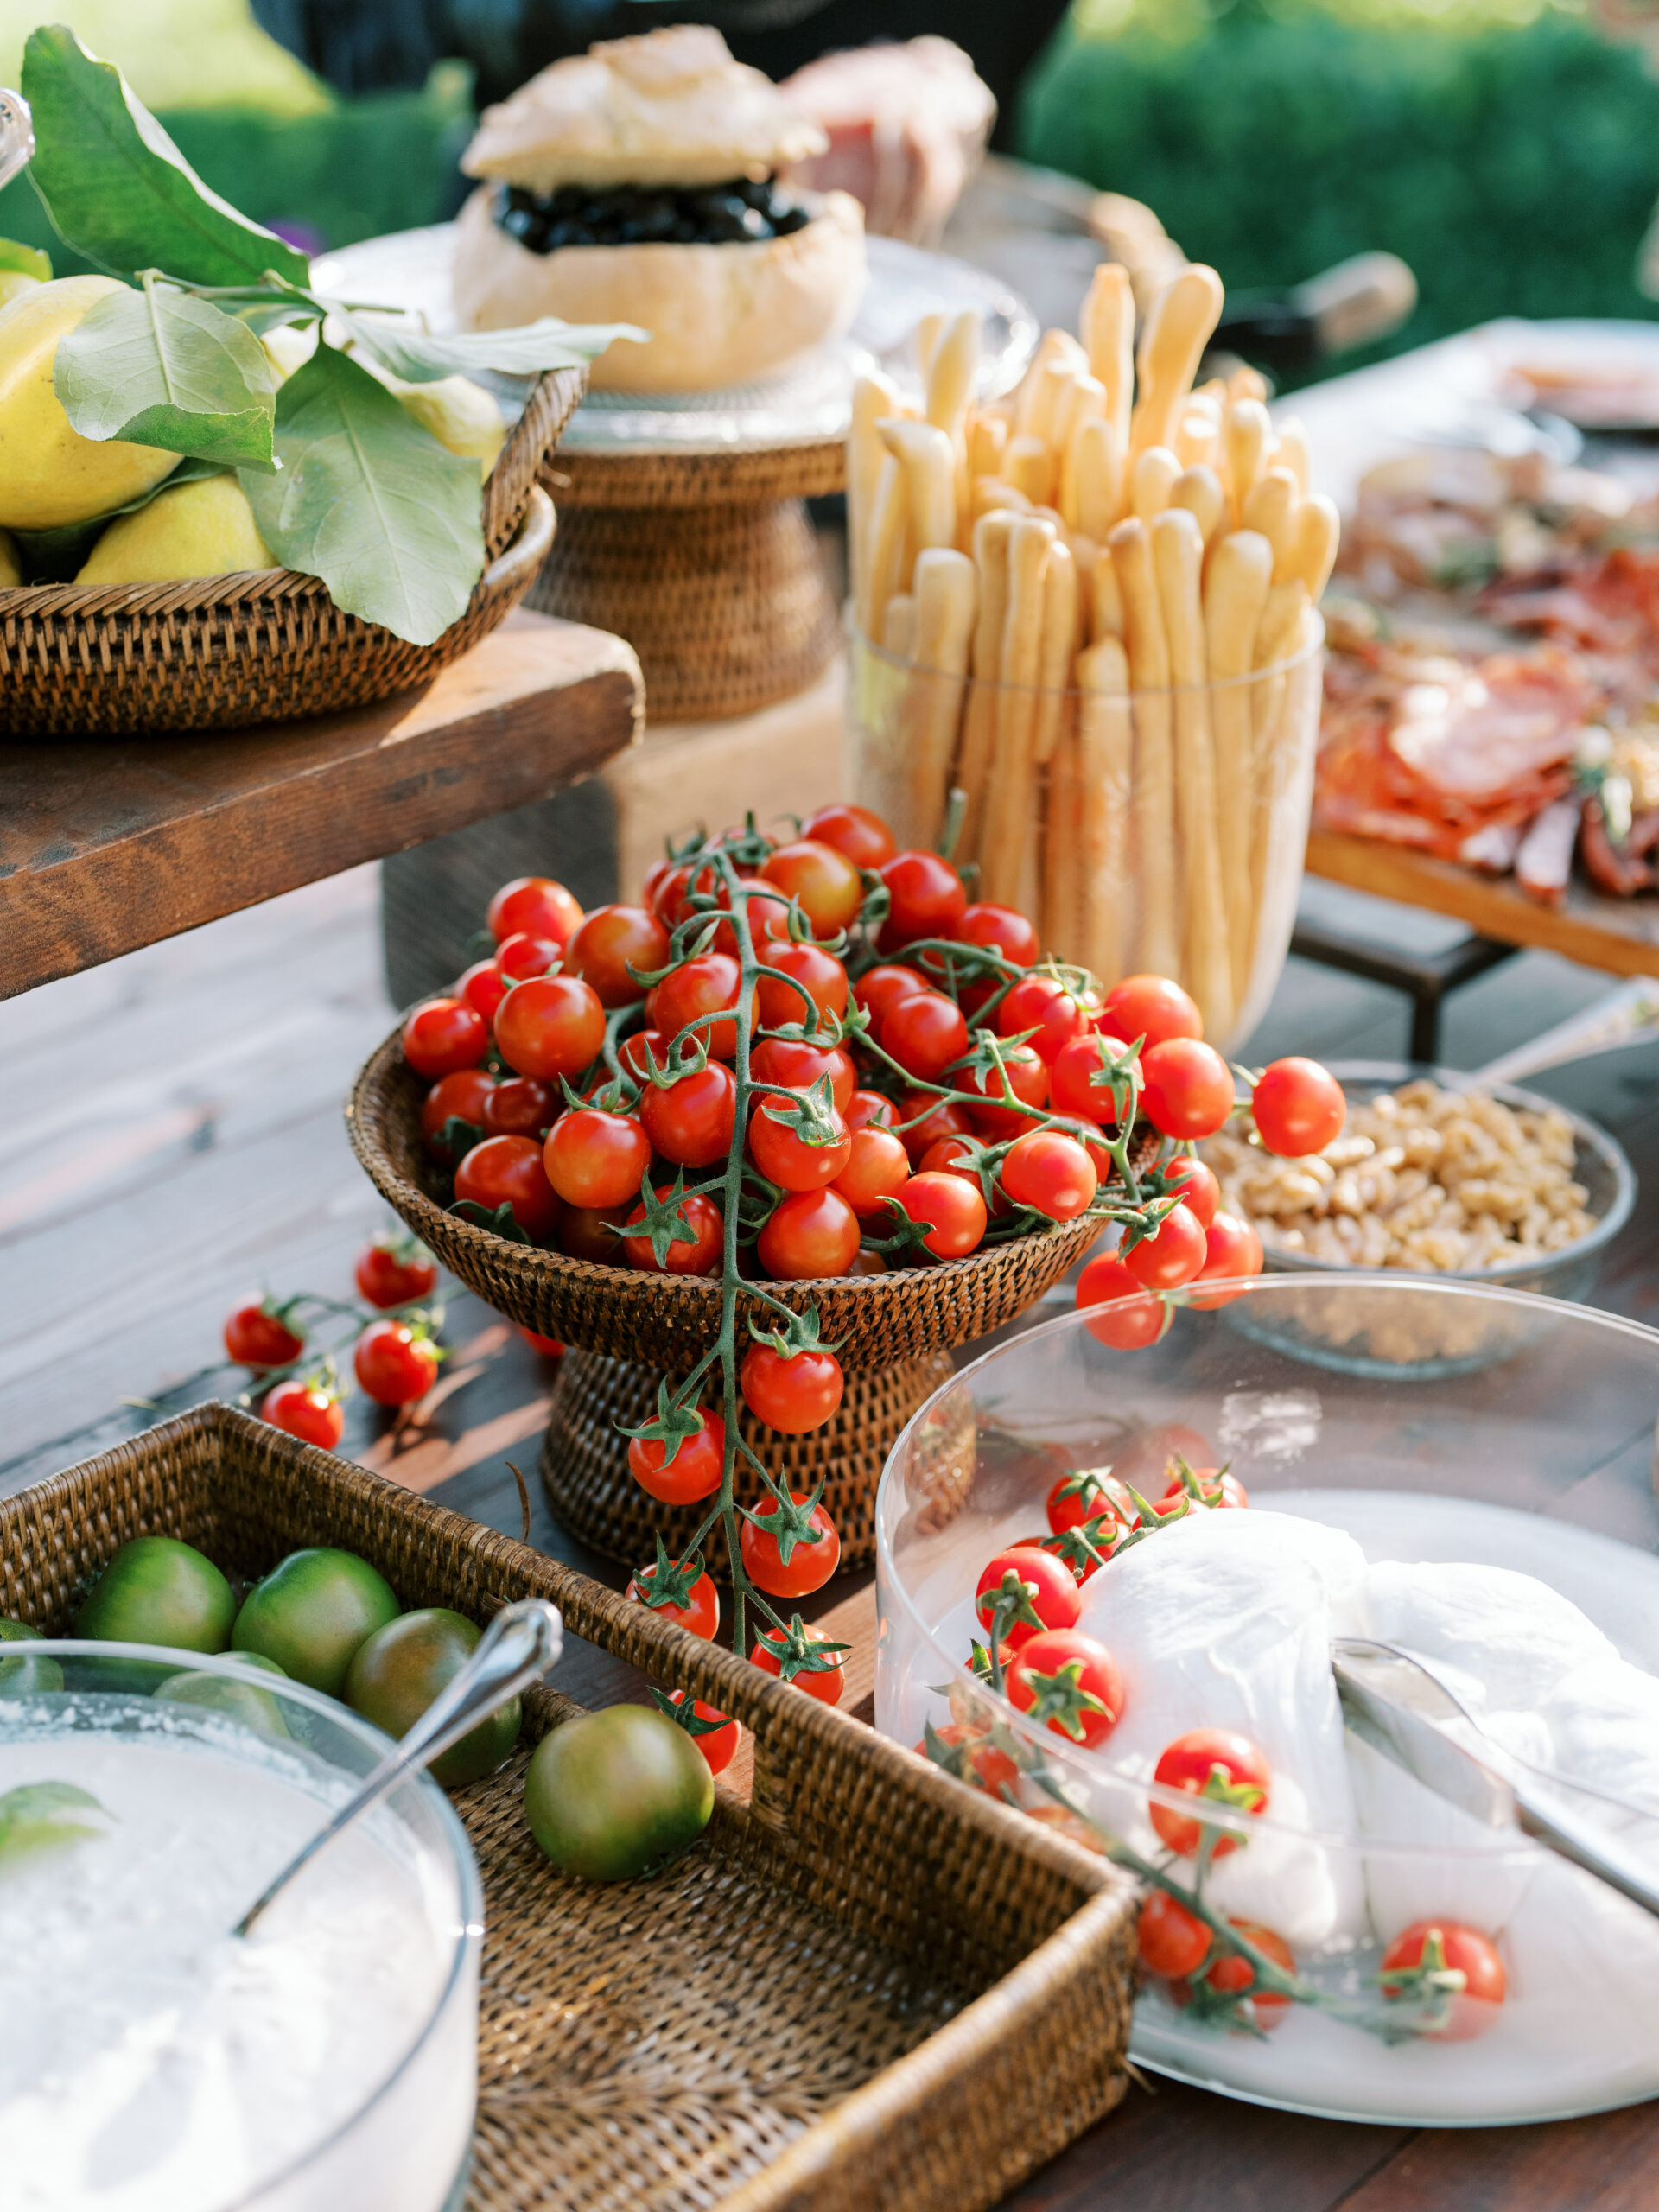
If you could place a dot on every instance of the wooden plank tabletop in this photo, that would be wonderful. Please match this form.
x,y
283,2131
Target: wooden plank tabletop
x,y
1618,935
109,844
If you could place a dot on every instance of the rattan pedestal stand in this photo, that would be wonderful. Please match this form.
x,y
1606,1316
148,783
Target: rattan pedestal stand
x,y
705,563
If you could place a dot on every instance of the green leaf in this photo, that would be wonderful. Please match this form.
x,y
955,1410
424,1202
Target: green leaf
x,y
369,501
56,557
14,255
116,188
420,358
159,367
43,1812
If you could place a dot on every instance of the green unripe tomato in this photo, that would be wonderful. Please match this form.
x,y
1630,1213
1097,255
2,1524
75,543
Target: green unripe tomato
x,y
26,1672
609,1794
398,1672
156,1590
311,1614
254,1708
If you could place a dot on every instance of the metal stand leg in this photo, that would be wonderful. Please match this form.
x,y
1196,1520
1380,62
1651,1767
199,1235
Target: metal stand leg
x,y
1426,977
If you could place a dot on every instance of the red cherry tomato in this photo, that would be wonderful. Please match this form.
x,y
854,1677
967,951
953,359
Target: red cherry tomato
x,y
701,1611
1001,928
643,1050
1171,1943
1233,1975
395,1271
954,1208
1126,1327
924,1035
1222,1489
654,875
988,1768
1173,1255
809,1565
463,1097
483,987
694,1472
878,990
305,1410
810,1233
1083,1495
596,1159
1028,1078
823,1682
868,1109
391,1363
522,956
523,1106
1070,1682
690,1120
793,1394
255,1337
787,1160
935,1121
768,918
1188,1089
864,838
818,973
1043,1003
1201,1192
797,1067
827,884
1051,1591
926,898
587,1234
951,1156
534,903
609,941
877,1167
444,1036
708,985
1213,1761
1152,1008
1471,2009
508,1171
700,1256
1298,1108
550,1027
1079,1083
719,1744
1050,1173
1232,1250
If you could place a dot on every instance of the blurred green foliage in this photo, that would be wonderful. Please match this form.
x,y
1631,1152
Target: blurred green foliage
x,y
1515,168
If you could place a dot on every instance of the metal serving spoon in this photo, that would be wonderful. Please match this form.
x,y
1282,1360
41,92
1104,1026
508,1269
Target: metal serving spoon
x,y
16,135
518,1648
1394,1703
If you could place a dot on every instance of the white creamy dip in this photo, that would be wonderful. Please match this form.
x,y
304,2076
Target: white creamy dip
x,y
149,2062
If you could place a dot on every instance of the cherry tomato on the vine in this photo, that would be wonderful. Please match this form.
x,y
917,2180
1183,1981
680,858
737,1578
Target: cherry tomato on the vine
x,y
393,1365
1028,1078
690,1120
799,1066
444,1036
609,941
809,1564
596,1159
864,838
1233,1975
536,903
954,1208
793,1393
1201,1192
818,973
586,1233
1069,1682
825,1681
936,1119
643,1050
1085,1494
508,1171
1298,1108
1081,1082
1001,928
1125,1326
1460,1949
1049,1173
1232,1249
1050,1590
719,1744
523,1106
1043,1003
255,1337
700,1612
550,1027
877,1167
463,1097
524,955
1188,1089
700,1255
1209,1763
1171,1941
926,898
954,1156
483,986
695,1471
924,1035
810,1233
395,1270
785,1158
705,986
868,1109
305,1410
987,1767
1152,1008
878,990
1222,1489
1172,1256
827,884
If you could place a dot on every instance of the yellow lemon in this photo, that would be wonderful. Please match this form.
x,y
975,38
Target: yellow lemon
x,y
287,349
49,474
11,566
205,529
14,282
460,414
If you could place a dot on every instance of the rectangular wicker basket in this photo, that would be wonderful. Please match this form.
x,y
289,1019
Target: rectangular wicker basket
x,y
867,1986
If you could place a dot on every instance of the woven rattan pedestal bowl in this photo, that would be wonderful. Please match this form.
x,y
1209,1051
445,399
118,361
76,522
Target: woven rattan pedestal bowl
x,y
224,652
625,1329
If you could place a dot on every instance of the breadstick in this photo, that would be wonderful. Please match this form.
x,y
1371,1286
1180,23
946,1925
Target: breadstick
x,y
1285,794
1062,887
1196,436
1277,634
1152,476
986,436
1281,619
1178,560
1313,553
1106,599
1107,327
1246,382
1199,490
1214,395
1028,465
1157,948
1088,406
1101,809
925,455
950,374
899,626
889,524
1084,553
991,534
874,396
1294,453
991,491
1058,647
1183,316
946,595
1236,582
1270,509
1245,437
930,329
1096,462
1008,806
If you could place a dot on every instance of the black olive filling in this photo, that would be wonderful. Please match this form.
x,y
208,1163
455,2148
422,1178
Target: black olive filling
x,y
739,213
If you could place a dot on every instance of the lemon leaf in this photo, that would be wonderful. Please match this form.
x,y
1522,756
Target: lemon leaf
x,y
28,259
159,367
418,356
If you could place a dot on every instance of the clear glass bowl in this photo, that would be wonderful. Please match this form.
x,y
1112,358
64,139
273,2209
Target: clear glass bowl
x,y
1162,832
1544,1464
402,2144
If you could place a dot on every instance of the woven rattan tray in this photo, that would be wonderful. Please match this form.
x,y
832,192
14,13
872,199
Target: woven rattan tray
x,y
867,1986
224,652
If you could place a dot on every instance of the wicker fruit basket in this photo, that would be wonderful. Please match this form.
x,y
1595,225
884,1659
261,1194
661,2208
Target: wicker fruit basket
x,y
918,1941
894,1332
224,652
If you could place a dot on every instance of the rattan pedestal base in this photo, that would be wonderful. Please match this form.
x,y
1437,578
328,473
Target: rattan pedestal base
x,y
585,1467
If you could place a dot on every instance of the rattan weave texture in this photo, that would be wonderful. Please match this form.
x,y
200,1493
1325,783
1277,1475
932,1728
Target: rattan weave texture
x,y
867,1987
225,652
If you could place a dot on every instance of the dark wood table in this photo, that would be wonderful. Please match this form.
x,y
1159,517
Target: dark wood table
x,y
109,844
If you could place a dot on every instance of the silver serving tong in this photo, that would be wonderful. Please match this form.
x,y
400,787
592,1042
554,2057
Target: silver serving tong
x,y
16,135
1394,1703
517,1648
